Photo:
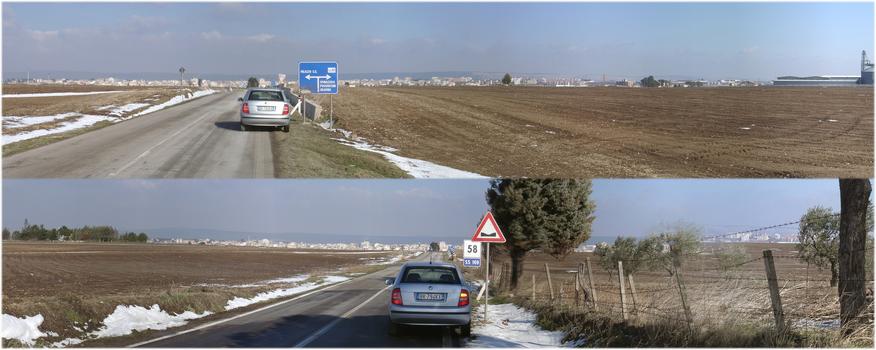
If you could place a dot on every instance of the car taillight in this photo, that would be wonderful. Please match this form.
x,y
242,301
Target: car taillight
x,y
463,298
285,109
396,296
245,108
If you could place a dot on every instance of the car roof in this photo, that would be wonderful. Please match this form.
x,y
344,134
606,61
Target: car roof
x,y
426,263
264,89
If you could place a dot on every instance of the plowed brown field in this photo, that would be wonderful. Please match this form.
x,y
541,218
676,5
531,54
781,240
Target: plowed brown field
x,y
621,132
45,269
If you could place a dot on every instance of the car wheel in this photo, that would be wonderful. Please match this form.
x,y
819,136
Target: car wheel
x,y
465,330
393,328
242,127
286,129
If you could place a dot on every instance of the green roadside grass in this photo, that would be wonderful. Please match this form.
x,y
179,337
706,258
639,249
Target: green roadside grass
x,y
308,151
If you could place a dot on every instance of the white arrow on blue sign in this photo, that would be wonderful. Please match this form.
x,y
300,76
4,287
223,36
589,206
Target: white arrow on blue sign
x,y
318,77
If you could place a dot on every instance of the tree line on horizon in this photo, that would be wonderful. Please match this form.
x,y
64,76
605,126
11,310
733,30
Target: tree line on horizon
x,y
101,233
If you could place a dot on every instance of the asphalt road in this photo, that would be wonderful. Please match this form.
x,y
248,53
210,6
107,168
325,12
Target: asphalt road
x,y
353,314
196,139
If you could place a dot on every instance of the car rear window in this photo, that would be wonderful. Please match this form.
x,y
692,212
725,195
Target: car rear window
x,y
430,274
259,95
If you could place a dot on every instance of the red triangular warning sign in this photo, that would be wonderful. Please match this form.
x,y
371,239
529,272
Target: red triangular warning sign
x,y
488,231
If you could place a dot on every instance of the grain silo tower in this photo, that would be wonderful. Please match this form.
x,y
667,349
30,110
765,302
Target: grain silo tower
x,y
866,70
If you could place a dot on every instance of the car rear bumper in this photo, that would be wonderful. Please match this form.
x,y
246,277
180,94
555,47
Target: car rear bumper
x,y
430,317
247,119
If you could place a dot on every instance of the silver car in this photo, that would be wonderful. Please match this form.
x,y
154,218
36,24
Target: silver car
x,y
429,294
265,107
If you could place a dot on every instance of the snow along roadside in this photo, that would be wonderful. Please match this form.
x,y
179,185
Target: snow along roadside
x,y
511,326
86,120
417,168
126,319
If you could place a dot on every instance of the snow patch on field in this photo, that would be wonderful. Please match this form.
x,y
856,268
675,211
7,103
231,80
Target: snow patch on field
x,y
385,260
120,111
390,260
511,326
127,319
20,122
176,100
66,342
419,169
25,329
84,120
116,114
238,302
289,280
54,94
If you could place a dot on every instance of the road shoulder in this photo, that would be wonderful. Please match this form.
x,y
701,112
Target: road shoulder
x,y
309,151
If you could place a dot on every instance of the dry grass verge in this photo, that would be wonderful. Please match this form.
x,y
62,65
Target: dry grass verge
x,y
310,151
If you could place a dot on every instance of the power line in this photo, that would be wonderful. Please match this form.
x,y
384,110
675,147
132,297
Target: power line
x,y
769,227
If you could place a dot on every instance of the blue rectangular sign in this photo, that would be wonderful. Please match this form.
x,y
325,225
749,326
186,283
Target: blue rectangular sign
x,y
318,77
471,262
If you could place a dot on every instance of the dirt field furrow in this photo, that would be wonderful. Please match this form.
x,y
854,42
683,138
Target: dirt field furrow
x,y
620,132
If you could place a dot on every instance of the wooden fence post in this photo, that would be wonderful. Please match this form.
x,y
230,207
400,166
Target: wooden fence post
x,y
499,278
775,297
577,289
533,286
623,296
592,289
510,272
550,284
633,294
562,285
679,279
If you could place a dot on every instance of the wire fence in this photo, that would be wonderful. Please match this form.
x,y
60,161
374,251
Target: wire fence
x,y
799,296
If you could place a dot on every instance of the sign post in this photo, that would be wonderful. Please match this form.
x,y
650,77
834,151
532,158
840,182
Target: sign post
x,y
321,78
488,232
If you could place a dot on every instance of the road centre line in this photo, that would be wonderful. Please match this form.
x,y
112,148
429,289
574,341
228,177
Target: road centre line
x,y
331,325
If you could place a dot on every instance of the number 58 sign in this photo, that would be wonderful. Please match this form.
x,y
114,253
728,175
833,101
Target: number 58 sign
x,y
471,254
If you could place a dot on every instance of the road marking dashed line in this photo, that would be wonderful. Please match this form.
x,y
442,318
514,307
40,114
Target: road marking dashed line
x,y
331,325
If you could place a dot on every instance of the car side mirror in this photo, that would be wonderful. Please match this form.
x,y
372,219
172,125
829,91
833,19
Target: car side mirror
x,y
240,99
389,281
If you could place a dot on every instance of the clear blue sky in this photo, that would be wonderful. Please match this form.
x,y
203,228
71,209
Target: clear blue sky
x,y
447,209
710,40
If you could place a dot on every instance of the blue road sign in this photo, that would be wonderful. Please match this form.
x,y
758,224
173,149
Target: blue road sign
x,y
318,77
471,262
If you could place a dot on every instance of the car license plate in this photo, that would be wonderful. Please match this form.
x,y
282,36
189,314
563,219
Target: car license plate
x,y
266,108
431,296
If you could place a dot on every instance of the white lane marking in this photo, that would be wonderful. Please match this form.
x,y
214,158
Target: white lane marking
x,y
331,325
146,152
131,163
211,324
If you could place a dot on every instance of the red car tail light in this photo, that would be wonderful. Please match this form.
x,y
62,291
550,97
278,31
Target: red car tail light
x,y
285,109
463,298
396,296
245,108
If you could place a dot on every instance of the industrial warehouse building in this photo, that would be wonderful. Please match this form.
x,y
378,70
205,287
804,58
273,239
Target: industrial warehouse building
x,y
866,77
